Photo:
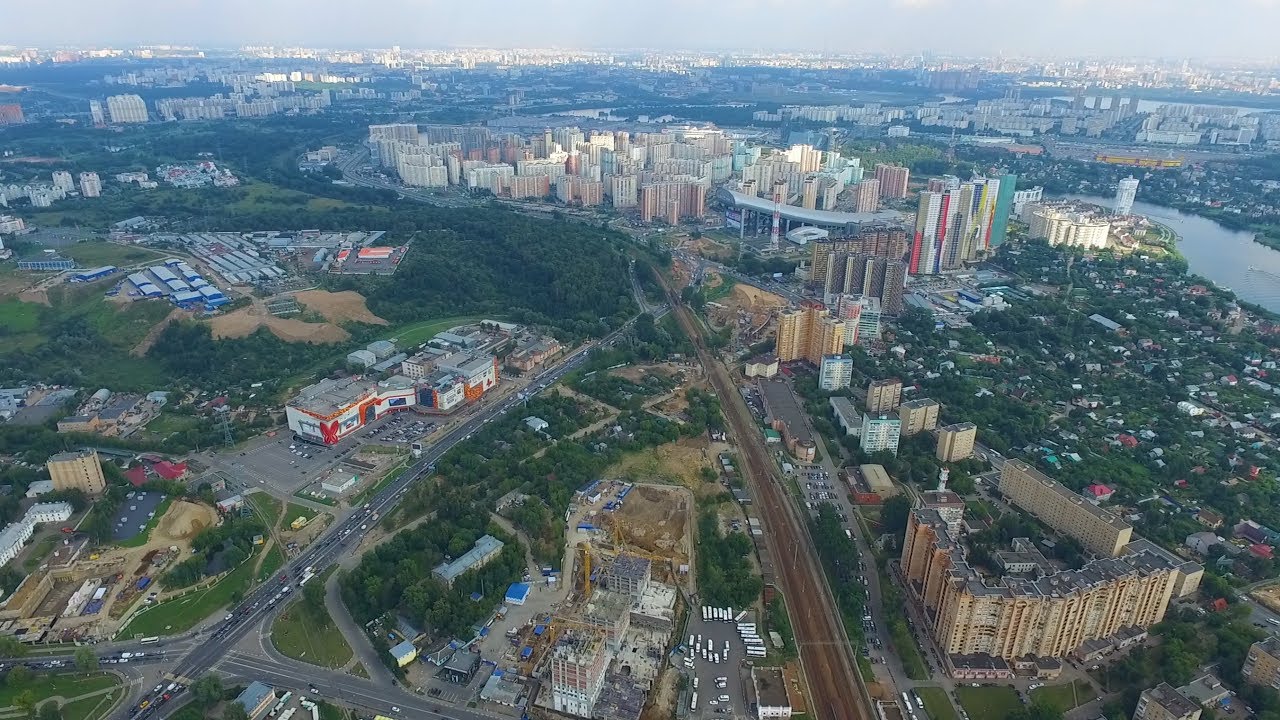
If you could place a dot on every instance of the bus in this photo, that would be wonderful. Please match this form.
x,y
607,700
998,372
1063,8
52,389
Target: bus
x,y
153,640
1273,621
693,701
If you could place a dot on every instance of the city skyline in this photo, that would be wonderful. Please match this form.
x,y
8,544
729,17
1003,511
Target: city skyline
x,y
1175,28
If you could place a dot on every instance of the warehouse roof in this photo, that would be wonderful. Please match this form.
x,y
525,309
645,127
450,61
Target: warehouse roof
x,y
813,217
483,548
329,396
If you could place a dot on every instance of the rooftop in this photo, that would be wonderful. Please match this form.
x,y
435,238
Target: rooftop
x,y
485,546
827,218
253,696
630,566
876,477
1067,494
771,687
781,403
329,396
1168,697
72,455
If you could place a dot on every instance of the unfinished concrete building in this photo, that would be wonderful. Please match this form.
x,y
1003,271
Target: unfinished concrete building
x,y
578,665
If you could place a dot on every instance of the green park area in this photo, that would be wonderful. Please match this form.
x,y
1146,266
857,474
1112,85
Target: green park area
x,y
295,511
266,507
1066,696
407,336
181,614
96,253
271,562
306,631
989,702
936,703
38,688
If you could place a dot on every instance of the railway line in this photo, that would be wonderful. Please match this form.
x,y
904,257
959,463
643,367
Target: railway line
x,y
836,691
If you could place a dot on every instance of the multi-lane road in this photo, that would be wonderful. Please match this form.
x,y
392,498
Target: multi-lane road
x,y
216,644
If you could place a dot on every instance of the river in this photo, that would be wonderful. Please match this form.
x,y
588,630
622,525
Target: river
x,y
1230,258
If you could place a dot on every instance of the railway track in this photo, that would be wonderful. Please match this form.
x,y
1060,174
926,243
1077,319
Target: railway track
x,y
835,686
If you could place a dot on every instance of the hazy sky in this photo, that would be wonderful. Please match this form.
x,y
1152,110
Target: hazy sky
x,y
1169,28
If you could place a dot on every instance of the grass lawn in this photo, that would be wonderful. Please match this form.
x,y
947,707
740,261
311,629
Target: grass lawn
x,y
265,507
181,614
359,671
47,686
310,635
19,317
39,552
322,499
989,702
386,480
90,708
273,561
721,291
937,704
168,423
1066,696
141,538
331,712
420,332
293,512
98,253
256,195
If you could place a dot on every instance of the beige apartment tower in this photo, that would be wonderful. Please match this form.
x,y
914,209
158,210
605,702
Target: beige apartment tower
x,y
1051,616
955,442
918,416
1262,664
808,333
884,395
78,470
1067,512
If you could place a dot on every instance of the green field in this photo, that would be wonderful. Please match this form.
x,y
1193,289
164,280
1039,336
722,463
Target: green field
x,y
19,317
47,686
1066,696
39,552
989,702
175,616
98,253
310,635
936,703
168,423
417,333
141,538
256,196
273,561
265,507
90,708
293,512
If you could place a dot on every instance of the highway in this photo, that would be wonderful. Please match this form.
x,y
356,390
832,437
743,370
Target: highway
x,y
259,604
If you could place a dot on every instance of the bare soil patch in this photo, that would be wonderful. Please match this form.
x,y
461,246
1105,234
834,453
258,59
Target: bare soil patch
x,y
184,521
339,307
246,321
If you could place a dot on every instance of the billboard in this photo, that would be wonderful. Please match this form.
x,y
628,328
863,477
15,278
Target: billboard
x,y
733,218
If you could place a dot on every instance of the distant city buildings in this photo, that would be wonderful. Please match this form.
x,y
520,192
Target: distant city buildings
x,y
893,180
90,185
126,109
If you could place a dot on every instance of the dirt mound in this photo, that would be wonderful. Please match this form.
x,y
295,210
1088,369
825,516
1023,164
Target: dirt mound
x,y
339,307
184,520
154,333
246,321
755,299
34,296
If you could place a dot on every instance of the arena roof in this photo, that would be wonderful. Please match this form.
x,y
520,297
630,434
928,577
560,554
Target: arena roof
x,y
825,218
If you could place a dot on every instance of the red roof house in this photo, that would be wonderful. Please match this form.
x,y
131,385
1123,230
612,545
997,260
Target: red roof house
x,y
1263,551
170,471
1098,493
1127,440
136,475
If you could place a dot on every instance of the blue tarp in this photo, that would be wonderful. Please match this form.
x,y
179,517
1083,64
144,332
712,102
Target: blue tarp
x,y
517,593
539,629
526,653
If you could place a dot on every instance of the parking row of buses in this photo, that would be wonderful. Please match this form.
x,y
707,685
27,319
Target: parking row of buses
x,y
711,614
755,646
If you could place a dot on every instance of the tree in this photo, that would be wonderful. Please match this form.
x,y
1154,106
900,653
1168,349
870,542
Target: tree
x,y
234,711
18,676
26,702
86,659
11,647
50,711
207,690
893,514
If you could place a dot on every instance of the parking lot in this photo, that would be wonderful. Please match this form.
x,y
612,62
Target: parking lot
x,y
402,428
732,668
134,513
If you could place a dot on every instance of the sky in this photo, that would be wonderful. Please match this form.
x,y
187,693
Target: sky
x,y
1112,28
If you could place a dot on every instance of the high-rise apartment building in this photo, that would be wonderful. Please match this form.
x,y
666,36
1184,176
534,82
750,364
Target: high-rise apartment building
x,y
10,114
880,431
955,442
672,201
1051,616
623,191
893,180
918,416
1126,191
90,185
578,665
126,109
809,333
809,193
64,181
866,198
1003,209
97,114
530,186
1262,664
887,241
402,132
848,309
1164,702
1098,530
1063,226
835,372
78,470
954,223
884,395
868,275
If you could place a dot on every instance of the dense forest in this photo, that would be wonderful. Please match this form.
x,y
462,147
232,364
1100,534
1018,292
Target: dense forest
x,y
726,577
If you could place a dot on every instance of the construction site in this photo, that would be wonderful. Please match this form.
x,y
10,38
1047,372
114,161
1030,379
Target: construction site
x,y
601,651
83,595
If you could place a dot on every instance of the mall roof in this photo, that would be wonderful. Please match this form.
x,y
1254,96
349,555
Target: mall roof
x,y
804,215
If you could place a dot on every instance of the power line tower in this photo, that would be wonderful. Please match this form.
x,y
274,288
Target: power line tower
x,y
223,419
